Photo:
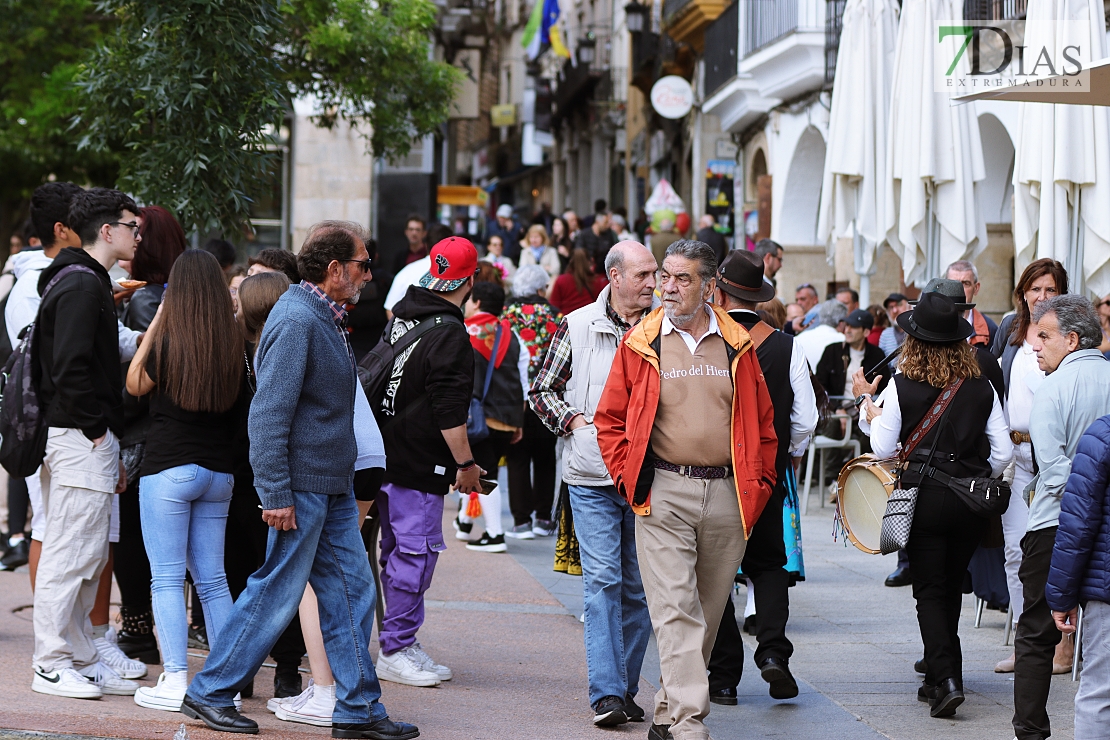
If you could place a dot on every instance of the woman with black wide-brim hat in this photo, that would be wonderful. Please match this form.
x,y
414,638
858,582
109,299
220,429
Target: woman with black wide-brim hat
x,y
973,442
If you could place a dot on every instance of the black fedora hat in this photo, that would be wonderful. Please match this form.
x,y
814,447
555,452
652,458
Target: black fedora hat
x,y
741,276
954,289
936,320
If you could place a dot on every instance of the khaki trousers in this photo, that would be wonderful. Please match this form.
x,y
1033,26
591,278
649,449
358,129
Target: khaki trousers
x,y
689,549
78,485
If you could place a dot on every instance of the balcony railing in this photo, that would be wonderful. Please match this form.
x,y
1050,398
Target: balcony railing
x,y
721,41
768,21
994,10
834,24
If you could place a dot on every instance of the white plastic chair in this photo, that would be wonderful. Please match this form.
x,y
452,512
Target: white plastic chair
x,y
822,443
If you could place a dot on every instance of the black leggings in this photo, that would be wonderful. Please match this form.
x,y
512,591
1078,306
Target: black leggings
x,y
17,505
943,538
131,566
532,471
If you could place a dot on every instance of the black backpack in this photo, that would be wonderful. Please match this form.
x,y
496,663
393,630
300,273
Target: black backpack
x,y
376,370
22,417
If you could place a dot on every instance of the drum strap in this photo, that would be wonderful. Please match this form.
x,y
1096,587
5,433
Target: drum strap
x,y
938,411
759,333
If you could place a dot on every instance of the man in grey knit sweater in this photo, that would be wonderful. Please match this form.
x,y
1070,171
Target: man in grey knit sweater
x,y
303,452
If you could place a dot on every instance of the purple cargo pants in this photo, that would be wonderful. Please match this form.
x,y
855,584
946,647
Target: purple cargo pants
x,y
411,539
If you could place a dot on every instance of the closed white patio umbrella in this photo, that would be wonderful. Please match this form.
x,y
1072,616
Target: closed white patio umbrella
x,y
935,157
1062,160
853,202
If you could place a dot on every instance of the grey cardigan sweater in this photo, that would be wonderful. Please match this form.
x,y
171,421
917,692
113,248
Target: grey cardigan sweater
x,y
301,421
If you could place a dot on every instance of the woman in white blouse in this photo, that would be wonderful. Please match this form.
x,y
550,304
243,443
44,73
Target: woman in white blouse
x,y
1013,347
972,442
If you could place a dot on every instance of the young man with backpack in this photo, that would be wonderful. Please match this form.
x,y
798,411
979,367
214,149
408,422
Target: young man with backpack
x,y
76,346
422,415
50,215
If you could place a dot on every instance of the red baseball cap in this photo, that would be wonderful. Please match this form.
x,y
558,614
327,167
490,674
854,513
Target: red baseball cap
x,y
453,261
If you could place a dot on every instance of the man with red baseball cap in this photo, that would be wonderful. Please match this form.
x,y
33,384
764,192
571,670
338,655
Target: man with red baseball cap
x,y
423,422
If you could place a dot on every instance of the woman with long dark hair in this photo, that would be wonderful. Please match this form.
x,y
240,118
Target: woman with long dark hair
x,y
579,286
192,364
972,441
1013,347
163,241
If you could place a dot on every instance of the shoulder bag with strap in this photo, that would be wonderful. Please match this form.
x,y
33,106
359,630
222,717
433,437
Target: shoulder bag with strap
x,y
476,428
898,518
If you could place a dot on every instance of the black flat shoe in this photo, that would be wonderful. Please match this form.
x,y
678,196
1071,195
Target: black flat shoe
x,y
776,672
921,667
632,710
898,578
383,729
725,697
287,684
925,693
947,695
221,719
660,732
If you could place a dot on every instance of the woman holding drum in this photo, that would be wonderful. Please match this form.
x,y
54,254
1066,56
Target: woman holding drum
x,y
1013,347
973,442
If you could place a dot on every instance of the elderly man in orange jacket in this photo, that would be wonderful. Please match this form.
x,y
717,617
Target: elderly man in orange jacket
x,y
685,426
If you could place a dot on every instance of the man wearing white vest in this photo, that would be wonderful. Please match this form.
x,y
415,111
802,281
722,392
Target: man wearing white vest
x,y
565,395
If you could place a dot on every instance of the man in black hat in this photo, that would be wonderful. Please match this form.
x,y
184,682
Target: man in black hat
x,y
841,361
740,286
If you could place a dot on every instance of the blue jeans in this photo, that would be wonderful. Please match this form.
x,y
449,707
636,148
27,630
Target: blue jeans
x,y
184,515
617,621
327,551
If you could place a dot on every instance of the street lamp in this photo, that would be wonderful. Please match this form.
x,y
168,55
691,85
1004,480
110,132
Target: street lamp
x,y
635,16
586,49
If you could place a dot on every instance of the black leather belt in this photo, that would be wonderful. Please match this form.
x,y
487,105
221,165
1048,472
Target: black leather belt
x,y
695,471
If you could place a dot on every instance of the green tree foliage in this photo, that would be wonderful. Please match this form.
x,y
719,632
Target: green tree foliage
x,y
190,91
368,62
41,47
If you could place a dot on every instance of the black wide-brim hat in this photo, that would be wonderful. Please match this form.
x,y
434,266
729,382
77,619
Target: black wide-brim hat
x,y
741,276
935,320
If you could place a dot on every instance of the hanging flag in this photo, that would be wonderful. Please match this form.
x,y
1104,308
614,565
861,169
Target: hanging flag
x,y
551,30
532,31
543,29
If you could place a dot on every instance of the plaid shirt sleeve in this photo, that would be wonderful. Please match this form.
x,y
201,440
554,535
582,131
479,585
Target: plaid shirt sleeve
x,y
546,394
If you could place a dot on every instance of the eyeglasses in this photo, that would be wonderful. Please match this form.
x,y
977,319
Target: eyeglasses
x,y
804,286
130,224
364,264
1105,303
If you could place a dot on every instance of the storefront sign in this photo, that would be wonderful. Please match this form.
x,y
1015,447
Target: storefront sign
x,y
672,97
719,192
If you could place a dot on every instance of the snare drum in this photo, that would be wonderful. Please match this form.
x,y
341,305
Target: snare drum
x,y
863,488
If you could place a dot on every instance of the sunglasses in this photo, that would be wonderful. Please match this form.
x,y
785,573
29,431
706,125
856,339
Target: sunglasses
x,y
364,264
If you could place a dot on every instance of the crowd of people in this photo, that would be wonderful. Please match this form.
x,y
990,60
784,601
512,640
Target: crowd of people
x,y
237,427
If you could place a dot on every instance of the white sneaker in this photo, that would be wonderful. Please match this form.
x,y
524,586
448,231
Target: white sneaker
x,y
316,710
405,667
108,680
292,701
66,682
428,664
167,694
116,659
